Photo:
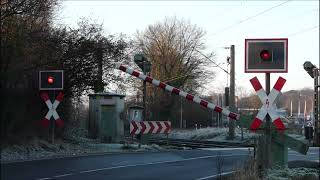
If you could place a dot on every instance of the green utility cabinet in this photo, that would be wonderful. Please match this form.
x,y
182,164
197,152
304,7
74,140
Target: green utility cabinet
x,y
105,117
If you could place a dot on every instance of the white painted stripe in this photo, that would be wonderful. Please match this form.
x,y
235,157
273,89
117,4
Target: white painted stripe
x,y
225,111
155,82
196,99
296,153
262,113
55,104
131,128
306,156
49,114
211,106
156,127
183,94
227,149
262,95
142,76
273,114
55,114
161,162
147,128
49,104
139,128
44,178
216,175
130,71
162,127
169,88
273,95
63,175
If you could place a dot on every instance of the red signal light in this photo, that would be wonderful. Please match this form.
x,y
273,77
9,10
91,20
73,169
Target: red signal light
x,y
50,80
265,55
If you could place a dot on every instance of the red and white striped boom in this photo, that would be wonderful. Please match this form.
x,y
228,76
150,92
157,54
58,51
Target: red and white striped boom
x,y
177,91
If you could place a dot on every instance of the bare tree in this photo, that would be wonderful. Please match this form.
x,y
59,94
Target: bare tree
x,y
173,47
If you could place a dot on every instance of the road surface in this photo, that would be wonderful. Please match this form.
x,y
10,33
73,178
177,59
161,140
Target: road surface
x,y
180,164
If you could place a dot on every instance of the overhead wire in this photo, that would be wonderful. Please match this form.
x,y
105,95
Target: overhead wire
x,y
212,61
250,17
303,31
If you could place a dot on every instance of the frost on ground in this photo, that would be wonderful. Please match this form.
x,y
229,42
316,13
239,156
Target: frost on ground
x,y
74,142
294,174
210,134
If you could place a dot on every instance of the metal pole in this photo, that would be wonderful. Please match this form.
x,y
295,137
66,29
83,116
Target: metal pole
x,y
53,124
218,115
144,93
267,142
316,106
181,112
232,91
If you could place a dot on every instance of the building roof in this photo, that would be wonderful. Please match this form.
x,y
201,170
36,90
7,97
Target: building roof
x,y
136,107
107,94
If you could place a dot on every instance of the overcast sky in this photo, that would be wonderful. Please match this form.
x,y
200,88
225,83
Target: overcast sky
x,y
226,23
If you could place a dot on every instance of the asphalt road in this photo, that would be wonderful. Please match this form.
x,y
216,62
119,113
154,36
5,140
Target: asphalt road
x,y
182,164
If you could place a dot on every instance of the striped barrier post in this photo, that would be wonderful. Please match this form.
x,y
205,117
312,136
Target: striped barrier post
x,y
268,106
177,91
150,127
52,109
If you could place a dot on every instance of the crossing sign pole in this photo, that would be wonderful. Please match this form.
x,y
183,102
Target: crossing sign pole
x,y
268,128
270,56
267,56
49,82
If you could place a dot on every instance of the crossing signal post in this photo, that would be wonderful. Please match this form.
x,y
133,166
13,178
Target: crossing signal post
x,y
267,56
51,81
314,73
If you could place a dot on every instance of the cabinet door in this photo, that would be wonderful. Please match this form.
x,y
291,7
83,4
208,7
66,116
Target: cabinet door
x,y
108,121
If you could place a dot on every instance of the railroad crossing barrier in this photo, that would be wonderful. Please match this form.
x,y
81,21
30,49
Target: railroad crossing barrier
x,y
177,91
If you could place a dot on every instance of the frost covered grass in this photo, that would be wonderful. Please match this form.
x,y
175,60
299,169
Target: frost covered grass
x,y
249,171
246,172
213,134
74,142
293,174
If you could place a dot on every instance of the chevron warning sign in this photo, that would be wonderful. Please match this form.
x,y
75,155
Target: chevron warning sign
x,y
150,127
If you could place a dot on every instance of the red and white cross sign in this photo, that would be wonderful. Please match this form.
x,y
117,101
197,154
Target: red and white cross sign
x,y
268,106
52,109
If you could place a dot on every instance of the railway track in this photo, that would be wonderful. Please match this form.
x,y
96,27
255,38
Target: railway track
x,y
197,143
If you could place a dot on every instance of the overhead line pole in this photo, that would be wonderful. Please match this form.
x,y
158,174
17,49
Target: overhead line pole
x,y
232,91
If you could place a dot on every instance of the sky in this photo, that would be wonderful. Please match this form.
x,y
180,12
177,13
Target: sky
x,y
225,22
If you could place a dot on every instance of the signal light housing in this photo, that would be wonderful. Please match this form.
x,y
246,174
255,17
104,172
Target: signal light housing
x,y
51,80
266,55
309,67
